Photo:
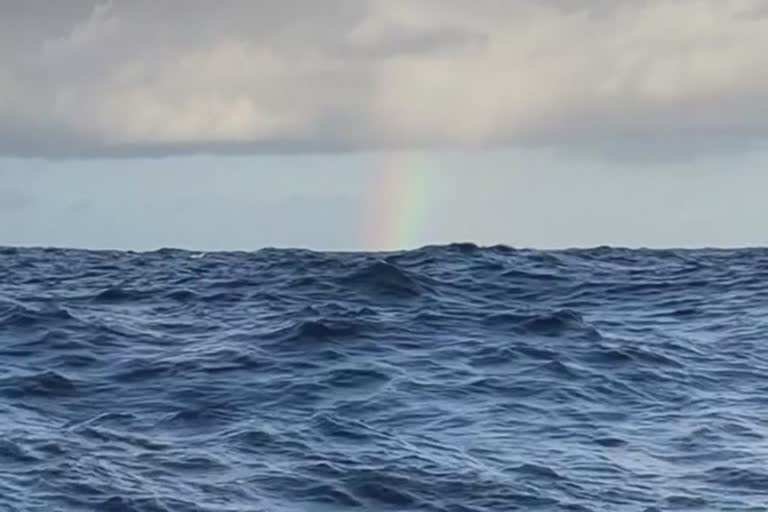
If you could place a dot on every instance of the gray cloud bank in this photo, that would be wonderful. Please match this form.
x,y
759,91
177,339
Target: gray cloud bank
x,y
148,77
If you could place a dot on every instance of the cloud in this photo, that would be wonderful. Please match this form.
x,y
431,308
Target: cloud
x,y
139,77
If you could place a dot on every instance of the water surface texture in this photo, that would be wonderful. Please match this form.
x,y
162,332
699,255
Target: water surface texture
x,y
452,379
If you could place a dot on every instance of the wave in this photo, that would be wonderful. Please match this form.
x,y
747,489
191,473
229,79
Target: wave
x,y
14,314
49,384
447,378
115,294
384,279
550,323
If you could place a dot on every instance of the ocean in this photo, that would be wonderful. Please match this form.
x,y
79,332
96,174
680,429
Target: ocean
x,y
445,379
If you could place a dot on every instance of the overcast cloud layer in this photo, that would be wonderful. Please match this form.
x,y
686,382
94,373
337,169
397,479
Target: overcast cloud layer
x,y
146,77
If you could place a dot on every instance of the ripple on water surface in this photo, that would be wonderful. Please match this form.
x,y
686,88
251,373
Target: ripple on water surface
x,y
455,378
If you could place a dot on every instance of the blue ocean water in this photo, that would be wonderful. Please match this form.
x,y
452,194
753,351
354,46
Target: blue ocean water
x,y
451,379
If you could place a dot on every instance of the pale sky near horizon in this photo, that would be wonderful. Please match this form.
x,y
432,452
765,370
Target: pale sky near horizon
x,y
383,124
338,202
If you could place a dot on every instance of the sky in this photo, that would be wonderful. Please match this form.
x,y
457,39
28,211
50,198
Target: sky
x,y
383,124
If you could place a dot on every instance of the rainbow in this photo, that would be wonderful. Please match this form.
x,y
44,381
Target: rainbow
x,y
399,202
